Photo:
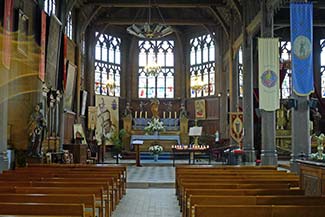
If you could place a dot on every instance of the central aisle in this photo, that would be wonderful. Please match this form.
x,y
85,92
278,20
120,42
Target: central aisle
x,y
151,193
149,202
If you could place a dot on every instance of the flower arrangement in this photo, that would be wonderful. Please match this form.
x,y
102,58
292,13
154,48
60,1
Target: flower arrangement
x,y
319,156
154,125
156,149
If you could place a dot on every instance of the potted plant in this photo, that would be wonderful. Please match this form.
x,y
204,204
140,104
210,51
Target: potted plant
x,y
116,139
155,151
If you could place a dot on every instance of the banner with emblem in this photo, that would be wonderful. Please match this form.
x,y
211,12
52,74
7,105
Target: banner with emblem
x,y
268,61
236,126
301,19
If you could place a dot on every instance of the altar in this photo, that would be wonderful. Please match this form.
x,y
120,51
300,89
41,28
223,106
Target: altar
x,y
155,139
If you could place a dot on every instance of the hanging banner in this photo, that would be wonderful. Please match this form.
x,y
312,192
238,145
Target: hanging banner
x,y
43,47
8,28
107,122
301,19
236,126
268,61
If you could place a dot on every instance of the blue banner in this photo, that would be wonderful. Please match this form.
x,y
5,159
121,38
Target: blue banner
x,y
301,19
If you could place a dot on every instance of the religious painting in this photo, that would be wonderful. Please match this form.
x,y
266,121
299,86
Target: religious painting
x,y
236,126
200,112
53,51
69,91
78,132
92,117
107,118
22,42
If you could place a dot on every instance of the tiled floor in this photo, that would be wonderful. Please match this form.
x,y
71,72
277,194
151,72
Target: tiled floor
x,y
148,203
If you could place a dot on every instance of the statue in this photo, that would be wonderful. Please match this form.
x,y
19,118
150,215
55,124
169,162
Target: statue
x,y
36,128
319,155
155,108
128,110
182,111
281,118
316,120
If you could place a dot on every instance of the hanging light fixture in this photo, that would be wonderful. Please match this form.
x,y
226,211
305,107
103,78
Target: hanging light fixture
x,y
152,68
197,84
150,30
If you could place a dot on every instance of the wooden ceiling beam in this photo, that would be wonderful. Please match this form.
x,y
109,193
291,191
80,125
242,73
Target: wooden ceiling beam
x,y
172,22
238,8
160,4
220,19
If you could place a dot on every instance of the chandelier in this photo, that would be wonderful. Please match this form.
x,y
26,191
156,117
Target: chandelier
x,y
150,30
197,84
110,84
152,68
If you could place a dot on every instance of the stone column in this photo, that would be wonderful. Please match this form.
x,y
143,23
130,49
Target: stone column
x,y
3,120
300,130
90,68
248,114
268,154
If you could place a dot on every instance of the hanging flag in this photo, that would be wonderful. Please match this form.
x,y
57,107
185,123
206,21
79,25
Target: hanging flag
x,y
8,28
268,61
301,19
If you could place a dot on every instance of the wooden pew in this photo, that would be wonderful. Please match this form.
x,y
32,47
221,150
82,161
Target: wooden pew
x,y
257,211
98,192
42,209
237,192
252,200
87,199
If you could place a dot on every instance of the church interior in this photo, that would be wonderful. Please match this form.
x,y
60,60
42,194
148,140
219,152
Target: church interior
x,y
162,108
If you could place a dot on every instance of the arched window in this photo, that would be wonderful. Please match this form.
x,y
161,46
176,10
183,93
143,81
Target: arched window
x,y
285,56
49,6
202,65
107,65
68,27
240,72
322,66
161,53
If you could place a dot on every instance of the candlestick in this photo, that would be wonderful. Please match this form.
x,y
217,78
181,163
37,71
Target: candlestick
x,y
140,114
136,114
164,115
175,115
145,114
170,114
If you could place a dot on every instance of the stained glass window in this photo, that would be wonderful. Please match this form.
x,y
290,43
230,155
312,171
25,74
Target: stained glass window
x,y
202,65
322,66
285,56
160,83
68,27
49,6
107,65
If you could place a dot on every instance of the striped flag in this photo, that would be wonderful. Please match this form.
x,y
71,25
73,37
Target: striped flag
x,y
268,60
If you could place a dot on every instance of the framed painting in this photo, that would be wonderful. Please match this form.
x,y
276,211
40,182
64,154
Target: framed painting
x,y
70,88
78,132
22,42
92,117
200,112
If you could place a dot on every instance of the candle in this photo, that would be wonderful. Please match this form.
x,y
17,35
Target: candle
x,y
145,114
164,115
136,114
140,114
170,114
175,115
